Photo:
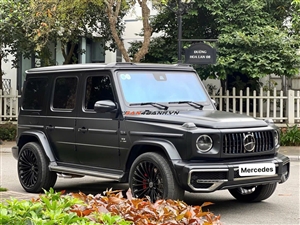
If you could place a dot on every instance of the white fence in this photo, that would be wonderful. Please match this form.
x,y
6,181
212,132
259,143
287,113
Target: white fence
x,y
265,104
8,107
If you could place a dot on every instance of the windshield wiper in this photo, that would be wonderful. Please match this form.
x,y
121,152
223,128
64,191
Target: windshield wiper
x,y
191,103
157,105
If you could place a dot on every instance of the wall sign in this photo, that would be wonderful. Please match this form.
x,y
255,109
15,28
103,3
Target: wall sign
x,y
200,53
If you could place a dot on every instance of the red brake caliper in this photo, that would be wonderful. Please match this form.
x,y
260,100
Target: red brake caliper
x,y
145,182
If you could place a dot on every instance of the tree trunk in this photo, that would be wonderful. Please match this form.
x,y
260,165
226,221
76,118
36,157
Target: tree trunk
x,y
147,31
67,55
113,9
112,17
224,86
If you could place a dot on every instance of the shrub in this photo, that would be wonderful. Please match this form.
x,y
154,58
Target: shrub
x,y
8,131
49,209
3,189
290,136
111,209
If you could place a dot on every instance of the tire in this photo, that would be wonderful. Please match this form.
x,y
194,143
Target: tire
x,y
33,171
253,194
152,176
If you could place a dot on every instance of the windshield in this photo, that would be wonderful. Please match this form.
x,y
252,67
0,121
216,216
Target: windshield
x,y
165,86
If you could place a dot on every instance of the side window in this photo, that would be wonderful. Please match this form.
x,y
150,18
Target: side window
x,y
34,93
65,93
97,88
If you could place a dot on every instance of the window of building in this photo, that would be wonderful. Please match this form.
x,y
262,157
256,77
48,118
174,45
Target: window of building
x,y
65,93
34,93
94,51
118,56
97,88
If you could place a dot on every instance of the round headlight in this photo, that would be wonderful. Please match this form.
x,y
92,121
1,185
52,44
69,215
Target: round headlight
x,y
204,143
276,137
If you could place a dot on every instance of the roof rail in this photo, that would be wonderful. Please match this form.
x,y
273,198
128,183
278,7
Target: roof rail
x,y
183,64
121,64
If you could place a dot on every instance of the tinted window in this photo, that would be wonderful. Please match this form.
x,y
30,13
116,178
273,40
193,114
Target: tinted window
x,y
65,93
97,88
34,93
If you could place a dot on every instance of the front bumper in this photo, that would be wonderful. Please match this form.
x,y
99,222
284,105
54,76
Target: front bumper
x,y
212,176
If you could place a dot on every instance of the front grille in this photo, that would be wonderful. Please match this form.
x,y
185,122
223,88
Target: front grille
x,y
233,143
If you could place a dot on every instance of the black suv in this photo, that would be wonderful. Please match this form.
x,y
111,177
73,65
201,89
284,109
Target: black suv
x,y
153,126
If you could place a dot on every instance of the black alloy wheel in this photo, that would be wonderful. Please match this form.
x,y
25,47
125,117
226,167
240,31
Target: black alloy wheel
x,y
151,176
148,181
33,171
28,168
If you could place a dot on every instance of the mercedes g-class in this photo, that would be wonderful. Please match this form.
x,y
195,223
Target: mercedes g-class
x,y
151,125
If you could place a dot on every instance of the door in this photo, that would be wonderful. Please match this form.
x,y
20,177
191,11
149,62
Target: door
x,y
97,133
60,121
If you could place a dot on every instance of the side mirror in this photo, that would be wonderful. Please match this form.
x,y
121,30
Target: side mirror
x,y
104,106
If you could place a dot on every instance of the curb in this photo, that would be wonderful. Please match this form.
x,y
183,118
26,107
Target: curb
x,y
5,150
7,195
294,157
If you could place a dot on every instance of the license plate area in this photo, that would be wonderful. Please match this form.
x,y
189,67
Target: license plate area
x,y
257,169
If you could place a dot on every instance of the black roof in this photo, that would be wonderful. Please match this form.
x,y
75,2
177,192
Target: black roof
x,y
103,66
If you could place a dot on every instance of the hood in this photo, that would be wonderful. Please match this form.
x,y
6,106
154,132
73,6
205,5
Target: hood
x,y
209,119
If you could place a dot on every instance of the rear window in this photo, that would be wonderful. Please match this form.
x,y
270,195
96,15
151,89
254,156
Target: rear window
x,y
65,93
34,93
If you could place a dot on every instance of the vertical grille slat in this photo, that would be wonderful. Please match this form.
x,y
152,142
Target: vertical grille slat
x,y
233,143
270,138
241,143
258,141
225,145
265,140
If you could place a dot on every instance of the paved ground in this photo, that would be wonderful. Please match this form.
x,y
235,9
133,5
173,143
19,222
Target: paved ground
x,y
292,152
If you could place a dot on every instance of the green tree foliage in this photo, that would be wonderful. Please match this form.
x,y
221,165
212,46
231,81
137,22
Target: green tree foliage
x,y
253,37
13,37
157,50
253,40
66,21
295,17
45,22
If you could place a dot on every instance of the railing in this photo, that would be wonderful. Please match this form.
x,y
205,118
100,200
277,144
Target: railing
x,y
6,85
8,107
264,104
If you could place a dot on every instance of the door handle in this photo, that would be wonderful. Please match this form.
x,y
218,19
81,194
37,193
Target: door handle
x,y
50,127
82,129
